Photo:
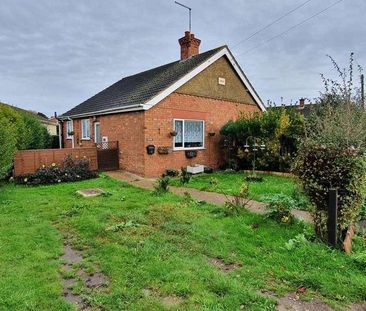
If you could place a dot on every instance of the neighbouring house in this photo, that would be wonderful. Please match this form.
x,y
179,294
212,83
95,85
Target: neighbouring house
x,y
169,116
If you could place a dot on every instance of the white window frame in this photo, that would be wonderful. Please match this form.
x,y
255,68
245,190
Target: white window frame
x,y
83,135
189,148
67,129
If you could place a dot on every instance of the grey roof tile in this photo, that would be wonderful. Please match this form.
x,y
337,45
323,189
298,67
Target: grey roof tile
x,y
139,88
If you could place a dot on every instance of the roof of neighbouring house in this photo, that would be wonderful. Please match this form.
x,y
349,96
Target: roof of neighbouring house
x,y
39,115
139,91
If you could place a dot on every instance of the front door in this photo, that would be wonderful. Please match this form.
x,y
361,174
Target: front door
x,y
97,137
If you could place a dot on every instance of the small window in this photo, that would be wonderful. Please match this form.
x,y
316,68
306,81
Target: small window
x,y
69,129
85,129
190,134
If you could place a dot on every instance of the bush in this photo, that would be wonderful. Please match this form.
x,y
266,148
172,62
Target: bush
x,y
185,177
171,172
162,184
238,202
332,154
280,207
19,130
70,170
278,128
7,145
321,169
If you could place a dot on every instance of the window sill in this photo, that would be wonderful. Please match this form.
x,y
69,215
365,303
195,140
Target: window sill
x,y
69,138
86,139
190,148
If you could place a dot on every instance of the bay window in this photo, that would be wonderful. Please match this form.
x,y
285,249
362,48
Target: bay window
x,y
189,134
85,129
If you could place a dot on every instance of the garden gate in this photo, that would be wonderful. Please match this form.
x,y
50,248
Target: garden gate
x,y
108,157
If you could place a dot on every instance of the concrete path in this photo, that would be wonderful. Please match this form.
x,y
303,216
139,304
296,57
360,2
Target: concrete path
x,y
211,197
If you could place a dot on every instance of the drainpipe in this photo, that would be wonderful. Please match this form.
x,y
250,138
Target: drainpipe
x,y
59,125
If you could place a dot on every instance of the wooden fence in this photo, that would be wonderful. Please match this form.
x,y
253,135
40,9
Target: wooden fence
x,y
28,161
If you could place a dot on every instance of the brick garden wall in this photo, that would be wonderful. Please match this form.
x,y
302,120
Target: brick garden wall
x,y
28,161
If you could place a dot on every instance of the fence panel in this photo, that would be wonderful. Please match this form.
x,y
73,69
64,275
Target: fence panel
x,y
28,161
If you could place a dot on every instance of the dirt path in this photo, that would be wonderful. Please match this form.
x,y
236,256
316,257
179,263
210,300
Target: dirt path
x,y
211,197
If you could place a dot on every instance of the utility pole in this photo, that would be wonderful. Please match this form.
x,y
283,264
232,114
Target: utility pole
x,y
362,92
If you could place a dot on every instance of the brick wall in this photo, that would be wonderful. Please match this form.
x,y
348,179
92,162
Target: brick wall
x,y
159,124
28,161
126,128
135,130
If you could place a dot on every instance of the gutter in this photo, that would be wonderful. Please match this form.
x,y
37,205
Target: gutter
x,y
105,111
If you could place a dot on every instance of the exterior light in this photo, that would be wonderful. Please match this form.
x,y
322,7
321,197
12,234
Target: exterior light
x,y
263,146
246,146
246,150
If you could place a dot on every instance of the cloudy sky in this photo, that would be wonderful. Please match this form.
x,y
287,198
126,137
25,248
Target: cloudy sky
x,y
56,54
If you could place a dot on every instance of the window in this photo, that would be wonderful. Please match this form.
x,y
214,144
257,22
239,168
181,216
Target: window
x,y
190,134
85,129
69,129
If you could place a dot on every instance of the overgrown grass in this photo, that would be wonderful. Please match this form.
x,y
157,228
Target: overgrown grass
x,y
230,182
165,249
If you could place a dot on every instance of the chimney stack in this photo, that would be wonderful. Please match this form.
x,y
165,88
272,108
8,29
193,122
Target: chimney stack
x,y
189,45
302,103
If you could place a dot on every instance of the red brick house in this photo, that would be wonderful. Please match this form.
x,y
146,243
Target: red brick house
x,y
173,108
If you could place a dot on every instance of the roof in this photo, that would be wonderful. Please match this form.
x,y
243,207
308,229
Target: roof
x,y
39,115
143,90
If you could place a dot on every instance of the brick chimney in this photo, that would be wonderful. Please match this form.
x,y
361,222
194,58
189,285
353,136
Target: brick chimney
x,y
189,45
302,103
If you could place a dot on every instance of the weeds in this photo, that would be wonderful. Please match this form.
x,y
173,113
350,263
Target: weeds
x,y
162,185
185,177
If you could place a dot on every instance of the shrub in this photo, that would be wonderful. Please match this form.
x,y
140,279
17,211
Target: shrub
x,y
238,202
19,130
7,145
171,172
162,184
278,128
70,170
321,169
280,207
185,177
332,154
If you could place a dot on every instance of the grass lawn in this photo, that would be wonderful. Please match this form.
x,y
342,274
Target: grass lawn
x,y
166,252
230,182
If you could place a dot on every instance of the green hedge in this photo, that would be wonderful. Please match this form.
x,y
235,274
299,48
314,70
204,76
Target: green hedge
x,y
19,130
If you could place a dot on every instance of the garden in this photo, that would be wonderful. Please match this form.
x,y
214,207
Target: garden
x,y
161,252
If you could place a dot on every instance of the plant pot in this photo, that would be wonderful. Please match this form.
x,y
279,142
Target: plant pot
x,y
164,150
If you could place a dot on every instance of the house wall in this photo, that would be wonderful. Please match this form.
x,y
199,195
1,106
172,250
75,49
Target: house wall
x,y
206,84
201,98
126,128
159,124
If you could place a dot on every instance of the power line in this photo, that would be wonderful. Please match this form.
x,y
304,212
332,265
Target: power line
x,y
291,28
270,24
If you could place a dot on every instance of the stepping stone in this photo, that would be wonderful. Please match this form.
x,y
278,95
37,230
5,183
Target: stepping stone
x,y
87,193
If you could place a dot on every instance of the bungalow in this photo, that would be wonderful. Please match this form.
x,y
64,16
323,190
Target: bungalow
x,y
169,116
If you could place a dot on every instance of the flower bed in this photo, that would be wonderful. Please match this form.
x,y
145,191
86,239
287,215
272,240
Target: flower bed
x,y
69,170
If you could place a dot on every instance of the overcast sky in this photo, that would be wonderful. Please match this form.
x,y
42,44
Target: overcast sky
x,y
56,54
